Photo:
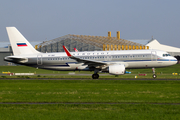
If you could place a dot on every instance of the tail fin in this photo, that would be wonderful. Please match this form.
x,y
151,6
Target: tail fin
x,y
19,44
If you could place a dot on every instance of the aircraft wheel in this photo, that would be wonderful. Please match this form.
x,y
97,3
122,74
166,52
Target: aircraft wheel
x,y
95,76
154,76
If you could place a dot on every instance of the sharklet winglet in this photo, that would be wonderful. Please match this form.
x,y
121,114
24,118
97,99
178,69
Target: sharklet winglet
x,y
75,50
67,51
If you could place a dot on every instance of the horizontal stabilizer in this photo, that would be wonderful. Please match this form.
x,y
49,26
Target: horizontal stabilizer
x,y
16,59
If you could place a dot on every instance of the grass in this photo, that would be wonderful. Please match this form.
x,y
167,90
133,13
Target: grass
x,y
89,91
125,92
89,112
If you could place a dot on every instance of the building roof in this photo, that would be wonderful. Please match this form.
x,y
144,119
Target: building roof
x,y
97,41
4,44
154,44
140,41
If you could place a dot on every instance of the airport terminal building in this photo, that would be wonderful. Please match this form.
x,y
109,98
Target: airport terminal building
x,y
92,43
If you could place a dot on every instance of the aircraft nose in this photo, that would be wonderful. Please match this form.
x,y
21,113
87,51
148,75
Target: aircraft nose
x,y
176,61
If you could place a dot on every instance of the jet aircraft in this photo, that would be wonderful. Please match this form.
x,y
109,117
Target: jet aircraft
x,y
112,62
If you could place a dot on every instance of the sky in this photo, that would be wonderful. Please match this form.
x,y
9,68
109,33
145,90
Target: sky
x,y
42,20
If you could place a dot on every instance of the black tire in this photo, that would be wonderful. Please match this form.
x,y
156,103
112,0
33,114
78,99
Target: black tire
x,y
95,76
154,76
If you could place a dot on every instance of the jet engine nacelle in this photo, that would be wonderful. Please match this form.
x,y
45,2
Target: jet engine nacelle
x,y
117,69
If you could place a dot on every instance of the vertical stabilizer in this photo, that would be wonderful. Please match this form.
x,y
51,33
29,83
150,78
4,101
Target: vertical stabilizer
x,y
19,44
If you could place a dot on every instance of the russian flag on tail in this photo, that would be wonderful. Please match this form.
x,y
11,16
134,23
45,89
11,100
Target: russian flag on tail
x,y
21,44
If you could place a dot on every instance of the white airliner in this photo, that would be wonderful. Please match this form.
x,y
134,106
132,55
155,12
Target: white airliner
x,y
113,62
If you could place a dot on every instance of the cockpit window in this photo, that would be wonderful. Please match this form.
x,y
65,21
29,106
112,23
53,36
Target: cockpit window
x,y
165,55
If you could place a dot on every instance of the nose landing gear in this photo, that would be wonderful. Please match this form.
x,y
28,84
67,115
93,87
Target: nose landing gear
x,y
154,75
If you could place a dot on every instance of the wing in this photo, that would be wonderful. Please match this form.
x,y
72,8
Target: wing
x,y
90,63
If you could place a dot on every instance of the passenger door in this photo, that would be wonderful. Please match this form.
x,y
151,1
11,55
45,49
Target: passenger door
x,y
153,56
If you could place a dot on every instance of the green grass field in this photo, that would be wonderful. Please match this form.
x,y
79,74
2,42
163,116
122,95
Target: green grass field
x,y
89,91
89,112
106,99
155,99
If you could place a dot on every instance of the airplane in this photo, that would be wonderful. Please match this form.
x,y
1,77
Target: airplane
x,y
112,62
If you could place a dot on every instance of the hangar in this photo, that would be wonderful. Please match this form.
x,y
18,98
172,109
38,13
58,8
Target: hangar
x,y
89,43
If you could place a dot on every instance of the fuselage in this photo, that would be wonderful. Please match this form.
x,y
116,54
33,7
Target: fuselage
x,y
130,58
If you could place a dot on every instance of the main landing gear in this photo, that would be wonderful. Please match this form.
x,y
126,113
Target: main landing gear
x,y
154,75
95,75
